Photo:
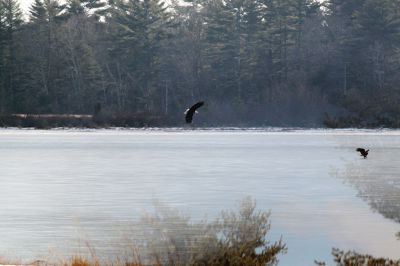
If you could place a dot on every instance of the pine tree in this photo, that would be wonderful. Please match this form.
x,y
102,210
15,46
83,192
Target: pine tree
x,y
222,50
141,28
94,8
44,23
10,22
80,83
188,51
38,12
2,57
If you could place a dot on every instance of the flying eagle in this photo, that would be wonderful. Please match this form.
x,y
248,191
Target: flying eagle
x,y
363,152
190,112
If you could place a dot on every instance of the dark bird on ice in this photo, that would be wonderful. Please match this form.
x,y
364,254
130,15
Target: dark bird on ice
x,y
190,112
363,152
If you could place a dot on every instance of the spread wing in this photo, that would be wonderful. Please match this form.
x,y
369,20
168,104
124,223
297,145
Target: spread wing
x,y
197,105
360,150
191,111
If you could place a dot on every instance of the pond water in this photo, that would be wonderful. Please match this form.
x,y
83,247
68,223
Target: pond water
x,y
61,189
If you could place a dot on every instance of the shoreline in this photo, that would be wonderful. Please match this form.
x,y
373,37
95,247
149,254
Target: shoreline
x,y
146,121
270,130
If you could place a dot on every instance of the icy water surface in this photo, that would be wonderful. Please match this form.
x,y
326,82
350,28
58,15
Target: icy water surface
x,y
65,188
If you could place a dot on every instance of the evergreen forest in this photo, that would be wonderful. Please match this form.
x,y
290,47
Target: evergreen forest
x,y
254,62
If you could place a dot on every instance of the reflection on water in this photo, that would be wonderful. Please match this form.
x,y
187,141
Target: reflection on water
x,y
61,188
377,179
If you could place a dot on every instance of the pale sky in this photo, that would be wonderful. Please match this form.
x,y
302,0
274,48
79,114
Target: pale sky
x,y
25,4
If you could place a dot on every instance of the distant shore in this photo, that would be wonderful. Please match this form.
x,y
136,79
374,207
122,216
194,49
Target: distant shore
x,y
145,120
48,121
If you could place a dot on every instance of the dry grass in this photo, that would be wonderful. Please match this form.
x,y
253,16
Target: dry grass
x,y
4,261
81,261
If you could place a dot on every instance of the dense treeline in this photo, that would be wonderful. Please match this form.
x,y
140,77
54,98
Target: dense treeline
x,y
260,62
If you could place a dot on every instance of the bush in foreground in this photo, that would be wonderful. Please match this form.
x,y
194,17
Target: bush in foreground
x,y
352,258
235,238
167,237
